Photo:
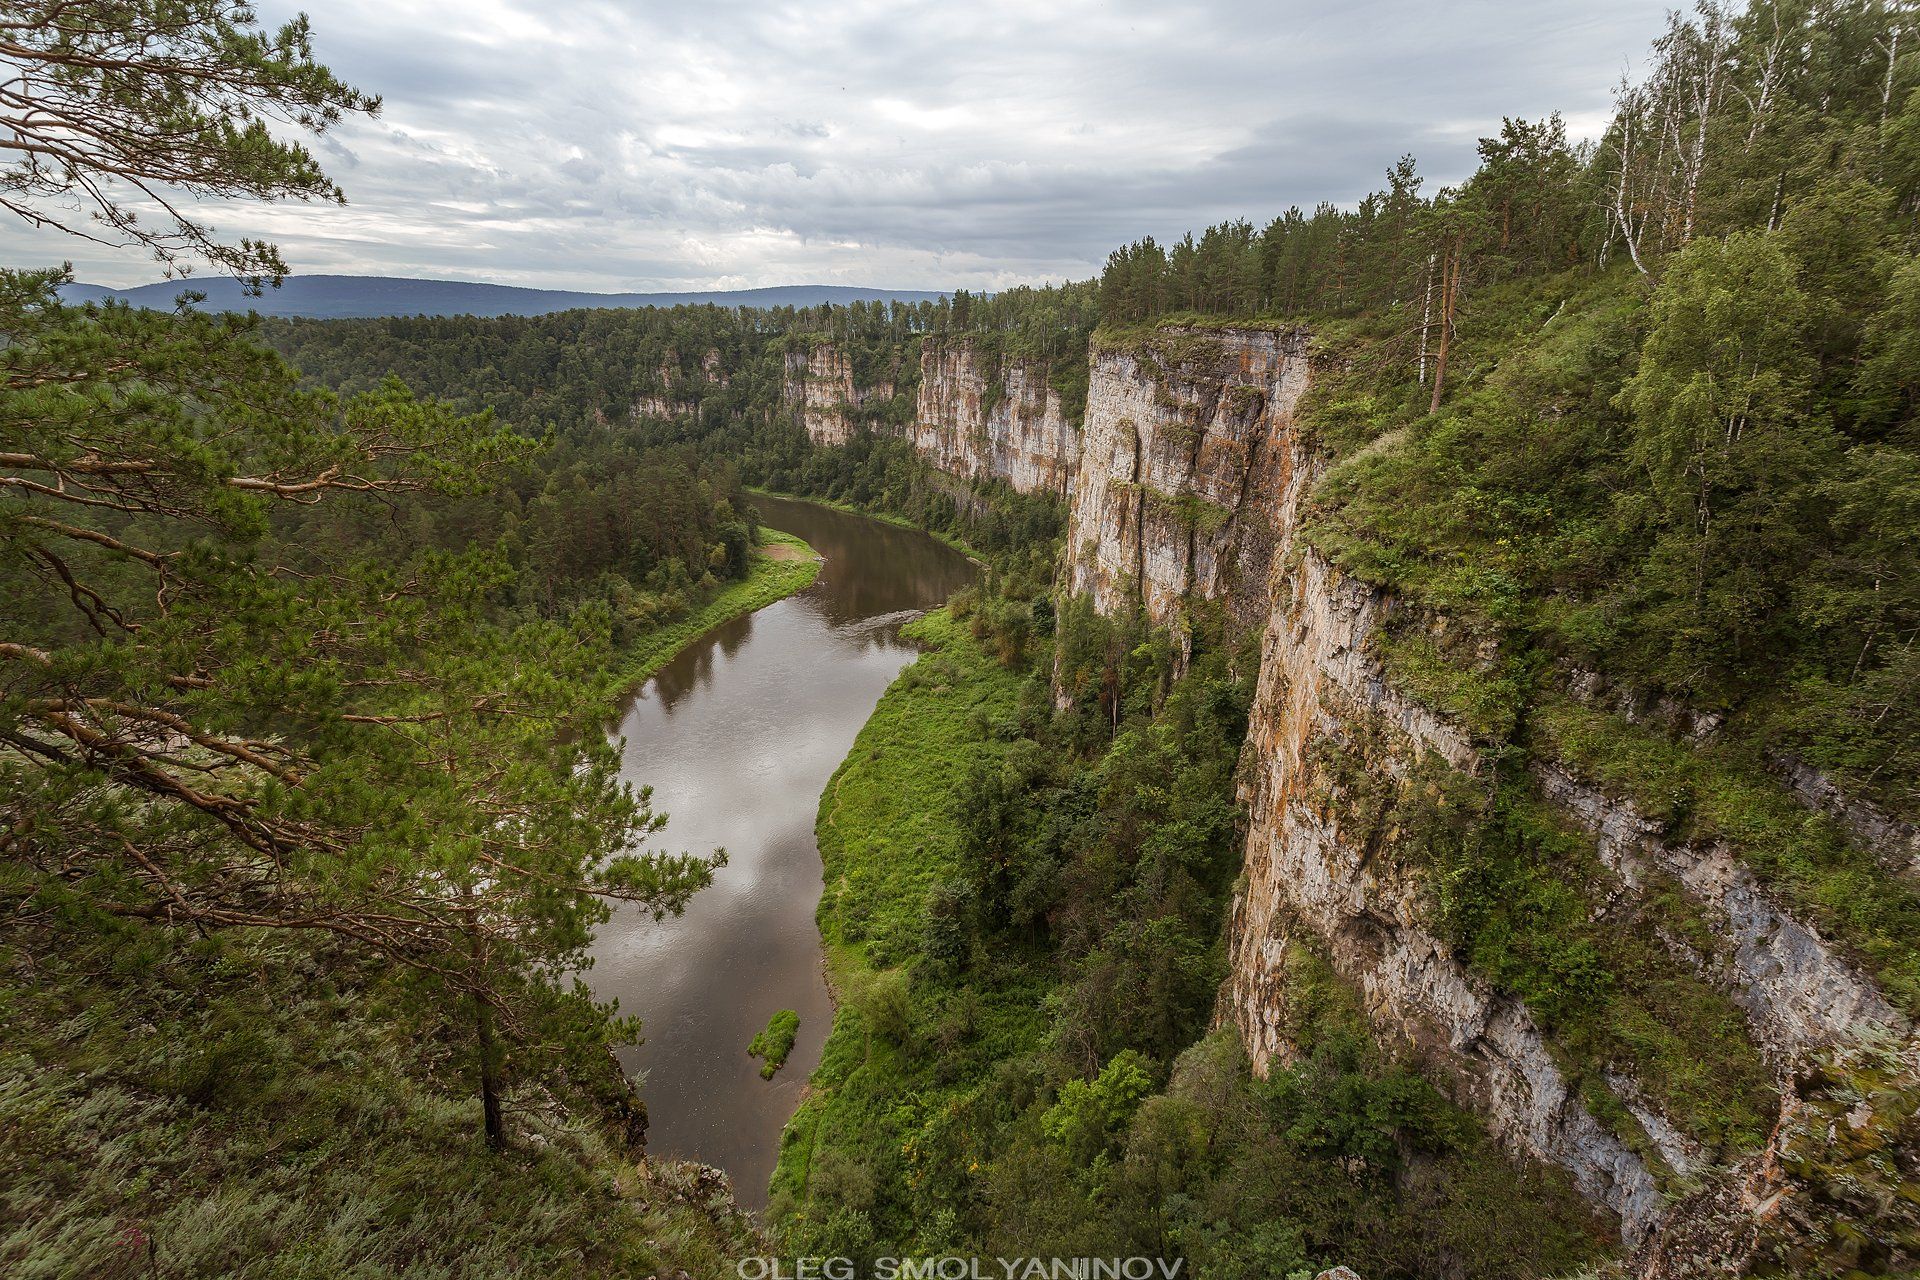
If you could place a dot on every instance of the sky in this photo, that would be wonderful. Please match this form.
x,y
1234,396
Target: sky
x,y
713,144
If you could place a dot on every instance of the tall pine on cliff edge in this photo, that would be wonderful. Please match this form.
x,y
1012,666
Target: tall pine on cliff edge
x,y
216,716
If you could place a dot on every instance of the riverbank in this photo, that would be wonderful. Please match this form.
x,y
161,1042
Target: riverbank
x,y
783,565
890,847
737,737
884,517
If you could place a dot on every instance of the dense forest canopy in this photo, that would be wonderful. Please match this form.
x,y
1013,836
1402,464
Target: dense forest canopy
x,y
1661,384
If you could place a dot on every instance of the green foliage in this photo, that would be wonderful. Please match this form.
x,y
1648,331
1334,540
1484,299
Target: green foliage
x,y
249,1107
1089,1114
1675,443
1729,451
1722,794
1848,1151
1023,916
770,577
774,1042
116,103
1525,900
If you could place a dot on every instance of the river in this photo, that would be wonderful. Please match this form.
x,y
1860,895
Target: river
x,y
738,736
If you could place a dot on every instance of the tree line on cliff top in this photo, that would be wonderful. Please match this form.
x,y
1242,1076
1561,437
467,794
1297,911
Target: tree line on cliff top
x,y
1646,404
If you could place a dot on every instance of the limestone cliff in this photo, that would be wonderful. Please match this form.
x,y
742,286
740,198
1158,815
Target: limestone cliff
x,y
1191,469
1327,724
1829,1194
818,385
676,392
980,418
1797,991
1193,472
1316,872
1186,483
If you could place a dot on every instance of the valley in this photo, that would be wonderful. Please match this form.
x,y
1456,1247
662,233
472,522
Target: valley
x,y
1381,743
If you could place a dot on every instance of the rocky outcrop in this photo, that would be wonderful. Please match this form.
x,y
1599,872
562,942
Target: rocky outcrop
x,y
981,418
1315,872
665,400
1830,1194
1191,470
676,394
1798,992
818,385
1894,842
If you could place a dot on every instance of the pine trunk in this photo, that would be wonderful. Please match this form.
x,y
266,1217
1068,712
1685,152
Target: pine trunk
x,y
496,1129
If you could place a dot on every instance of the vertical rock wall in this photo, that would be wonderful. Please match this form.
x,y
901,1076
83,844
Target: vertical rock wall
x,y
1191,470
676,394
1797,991
818,385
1186,483
1314,871
981,418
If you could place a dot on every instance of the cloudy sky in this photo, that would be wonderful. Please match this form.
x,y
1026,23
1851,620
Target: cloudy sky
x,y
736,143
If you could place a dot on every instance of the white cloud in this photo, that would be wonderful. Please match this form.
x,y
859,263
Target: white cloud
x,y
908,143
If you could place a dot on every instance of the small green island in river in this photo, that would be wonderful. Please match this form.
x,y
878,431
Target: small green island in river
x,y
775,1042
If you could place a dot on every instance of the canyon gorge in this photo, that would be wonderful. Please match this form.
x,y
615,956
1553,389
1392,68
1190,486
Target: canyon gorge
x,y
1186,481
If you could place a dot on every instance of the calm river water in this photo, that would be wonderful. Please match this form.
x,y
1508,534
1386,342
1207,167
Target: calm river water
x,y
738,736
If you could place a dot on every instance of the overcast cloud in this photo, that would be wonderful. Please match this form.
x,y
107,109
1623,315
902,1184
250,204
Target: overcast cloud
x,y
979,143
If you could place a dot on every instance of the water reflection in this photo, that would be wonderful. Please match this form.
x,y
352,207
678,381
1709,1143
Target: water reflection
x,y
738,736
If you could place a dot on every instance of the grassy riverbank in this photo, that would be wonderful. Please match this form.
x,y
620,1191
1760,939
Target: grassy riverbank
x,y
888,843
884,517
783,565
1022,915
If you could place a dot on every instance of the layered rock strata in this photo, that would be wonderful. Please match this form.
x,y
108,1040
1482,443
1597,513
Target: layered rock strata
x,y
818,385
1315,872
981,418
1191,470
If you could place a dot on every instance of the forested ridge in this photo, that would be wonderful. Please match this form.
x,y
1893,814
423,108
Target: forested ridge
x,y
1636,417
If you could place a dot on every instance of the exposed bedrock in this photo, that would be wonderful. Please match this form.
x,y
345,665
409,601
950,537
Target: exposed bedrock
x,y
1191,469
1310,873
1797,991
818,385
980,417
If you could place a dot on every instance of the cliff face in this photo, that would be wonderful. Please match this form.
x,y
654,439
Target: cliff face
x,y
1829,1193
1797,991
1327,726
977,422
1315,872
1186,484
818,385
676,393
1192,475
1191,470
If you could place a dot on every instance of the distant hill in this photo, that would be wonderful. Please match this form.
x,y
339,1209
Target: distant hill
x,y
339,297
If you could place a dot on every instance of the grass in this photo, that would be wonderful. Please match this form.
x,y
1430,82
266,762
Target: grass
x,y
1708,794
238,1107
784,566
887,839
244,1106
885,825
1524,899
1483,701
775,1042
